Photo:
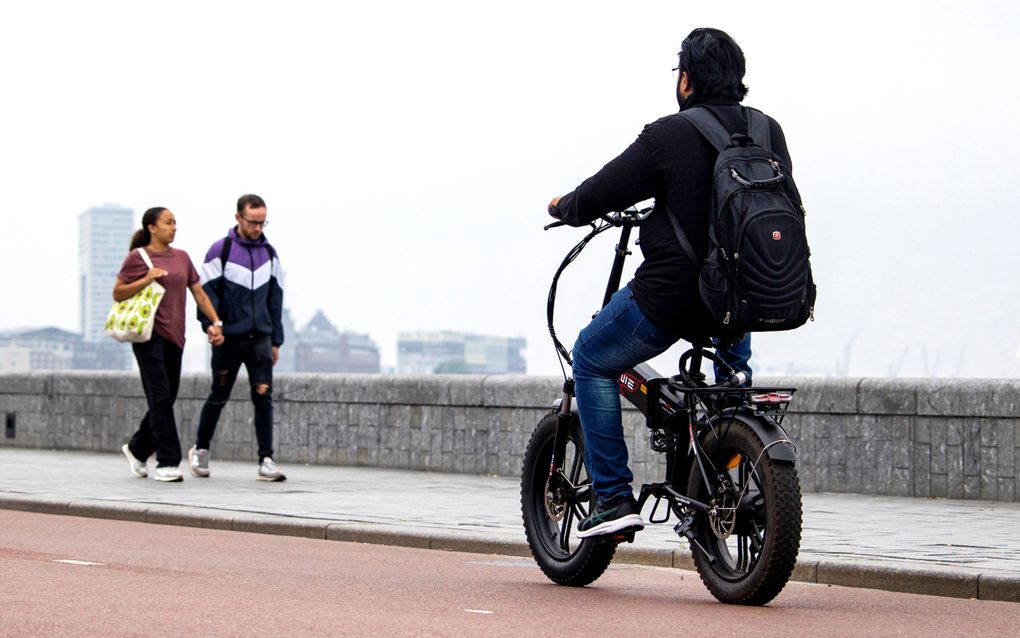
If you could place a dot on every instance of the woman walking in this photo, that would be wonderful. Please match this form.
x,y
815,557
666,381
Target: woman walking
x,y
159,359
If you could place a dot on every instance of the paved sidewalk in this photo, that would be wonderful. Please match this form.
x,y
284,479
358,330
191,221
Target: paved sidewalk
x,y
933,546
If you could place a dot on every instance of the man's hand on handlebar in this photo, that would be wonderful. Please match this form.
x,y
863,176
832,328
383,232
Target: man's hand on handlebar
x,y
553,211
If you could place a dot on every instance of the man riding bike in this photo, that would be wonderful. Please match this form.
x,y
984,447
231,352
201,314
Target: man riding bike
x,y
673,163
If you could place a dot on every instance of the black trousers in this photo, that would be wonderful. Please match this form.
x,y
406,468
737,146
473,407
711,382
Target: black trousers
x,y
256,353
159,362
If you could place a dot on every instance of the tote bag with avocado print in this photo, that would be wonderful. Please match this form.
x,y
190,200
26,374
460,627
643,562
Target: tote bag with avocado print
x,y
131,320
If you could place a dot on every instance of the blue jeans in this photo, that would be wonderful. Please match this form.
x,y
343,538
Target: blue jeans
x,y
617,339
737,356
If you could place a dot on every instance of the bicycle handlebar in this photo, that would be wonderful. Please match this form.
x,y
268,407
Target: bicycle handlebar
x,y
628,216
632,216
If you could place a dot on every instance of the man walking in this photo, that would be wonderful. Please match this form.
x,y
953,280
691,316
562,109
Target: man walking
x,y
241,275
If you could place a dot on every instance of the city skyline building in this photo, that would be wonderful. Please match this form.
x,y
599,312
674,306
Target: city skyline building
x,y
321,347
104,233
449,352
51,348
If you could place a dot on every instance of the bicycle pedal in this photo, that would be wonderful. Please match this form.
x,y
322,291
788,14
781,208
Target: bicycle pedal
x,y
623,536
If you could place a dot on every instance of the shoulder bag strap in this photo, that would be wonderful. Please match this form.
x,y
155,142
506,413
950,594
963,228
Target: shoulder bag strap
x,y
145,258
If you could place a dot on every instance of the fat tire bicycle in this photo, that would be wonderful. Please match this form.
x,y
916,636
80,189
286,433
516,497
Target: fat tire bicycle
x,y
730,483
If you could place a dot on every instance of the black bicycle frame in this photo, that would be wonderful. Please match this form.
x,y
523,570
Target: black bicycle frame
x,y
670,405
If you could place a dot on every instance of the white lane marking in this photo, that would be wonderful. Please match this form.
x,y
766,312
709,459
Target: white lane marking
x,y
477,611
504,563
76,562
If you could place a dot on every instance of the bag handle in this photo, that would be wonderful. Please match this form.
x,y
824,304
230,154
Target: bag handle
x,y
145,258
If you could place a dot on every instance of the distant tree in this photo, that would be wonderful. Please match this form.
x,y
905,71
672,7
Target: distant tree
x,y
451,367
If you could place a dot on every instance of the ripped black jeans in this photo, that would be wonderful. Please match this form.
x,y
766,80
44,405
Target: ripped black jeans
x,y
256,353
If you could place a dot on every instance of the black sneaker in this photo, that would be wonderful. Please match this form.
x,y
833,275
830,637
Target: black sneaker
x,y
614,515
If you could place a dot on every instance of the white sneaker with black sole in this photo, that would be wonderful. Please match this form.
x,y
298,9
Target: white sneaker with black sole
x,y
616,515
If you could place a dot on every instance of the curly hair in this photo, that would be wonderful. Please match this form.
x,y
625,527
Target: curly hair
x,y
714,64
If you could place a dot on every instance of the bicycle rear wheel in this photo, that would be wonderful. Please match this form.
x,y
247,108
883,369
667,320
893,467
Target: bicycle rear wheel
x,y
751,543
552,506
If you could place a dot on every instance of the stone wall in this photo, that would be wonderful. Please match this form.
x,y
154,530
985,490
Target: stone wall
x,y
926,438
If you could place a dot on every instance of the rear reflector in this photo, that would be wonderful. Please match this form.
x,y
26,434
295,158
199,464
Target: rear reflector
x,y
771,397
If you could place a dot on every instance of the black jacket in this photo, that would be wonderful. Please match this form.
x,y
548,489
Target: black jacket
x,y
673,163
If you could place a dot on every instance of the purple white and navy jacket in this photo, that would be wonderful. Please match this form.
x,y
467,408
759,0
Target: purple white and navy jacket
x,y
246,290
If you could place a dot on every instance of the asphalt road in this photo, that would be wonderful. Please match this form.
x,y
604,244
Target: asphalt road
x,y
75,576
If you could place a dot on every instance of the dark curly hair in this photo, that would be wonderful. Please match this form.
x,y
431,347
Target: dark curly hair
x,y
714,64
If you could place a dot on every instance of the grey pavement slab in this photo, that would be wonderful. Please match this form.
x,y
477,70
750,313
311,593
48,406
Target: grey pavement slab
x,y
937,546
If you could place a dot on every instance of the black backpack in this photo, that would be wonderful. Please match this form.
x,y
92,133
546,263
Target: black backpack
x,y
757,275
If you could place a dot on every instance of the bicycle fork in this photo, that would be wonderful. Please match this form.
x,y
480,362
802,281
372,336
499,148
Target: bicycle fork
x,y
562,429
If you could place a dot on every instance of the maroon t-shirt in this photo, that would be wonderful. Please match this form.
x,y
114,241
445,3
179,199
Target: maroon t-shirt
x,y
180,275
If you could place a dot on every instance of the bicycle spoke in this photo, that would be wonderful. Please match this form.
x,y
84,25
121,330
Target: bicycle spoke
x,y
564,530
756,541
578,510
575,469
741,563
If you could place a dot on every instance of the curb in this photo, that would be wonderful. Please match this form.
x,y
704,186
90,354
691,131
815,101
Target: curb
x,y
948,582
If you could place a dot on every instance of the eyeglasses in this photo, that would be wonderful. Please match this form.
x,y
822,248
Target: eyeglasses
x,y
676,71
254,223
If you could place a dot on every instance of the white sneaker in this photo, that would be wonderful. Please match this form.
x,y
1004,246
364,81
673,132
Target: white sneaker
x,y
168,474
269,472
198,462
137,467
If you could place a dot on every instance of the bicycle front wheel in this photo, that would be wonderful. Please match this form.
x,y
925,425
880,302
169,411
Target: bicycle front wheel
x,y
553,504
749,542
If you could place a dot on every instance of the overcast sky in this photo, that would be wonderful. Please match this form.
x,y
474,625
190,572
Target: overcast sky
x,y
407,152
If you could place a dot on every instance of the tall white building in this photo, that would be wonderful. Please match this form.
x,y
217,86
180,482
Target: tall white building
x,y
104,233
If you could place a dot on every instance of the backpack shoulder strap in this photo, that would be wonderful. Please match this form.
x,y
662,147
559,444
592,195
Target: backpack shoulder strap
x,y
224,256
681,237
225,252
758,128
707,124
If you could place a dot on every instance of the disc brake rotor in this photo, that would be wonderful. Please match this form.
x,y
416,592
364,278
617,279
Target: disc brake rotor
x,y
555,497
